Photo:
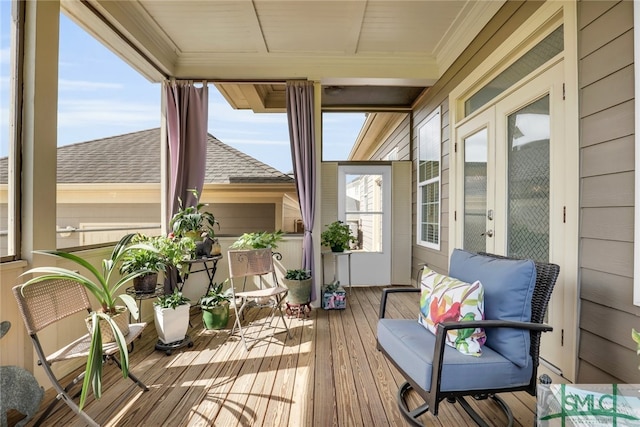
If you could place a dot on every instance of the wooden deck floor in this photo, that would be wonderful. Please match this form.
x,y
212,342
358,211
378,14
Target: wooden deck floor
x,y
328,374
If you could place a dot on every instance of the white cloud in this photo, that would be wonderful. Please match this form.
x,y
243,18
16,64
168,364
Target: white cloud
x,y
80,113
86,86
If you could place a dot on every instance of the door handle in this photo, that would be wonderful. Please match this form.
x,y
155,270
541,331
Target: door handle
x,y
488,233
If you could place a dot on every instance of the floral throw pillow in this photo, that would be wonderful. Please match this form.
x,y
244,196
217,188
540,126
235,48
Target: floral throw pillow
x,y
445,299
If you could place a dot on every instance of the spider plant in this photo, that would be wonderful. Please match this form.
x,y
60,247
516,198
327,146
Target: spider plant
x,y
104,286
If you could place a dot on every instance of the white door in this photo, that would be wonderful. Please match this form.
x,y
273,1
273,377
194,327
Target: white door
x,y
364,202
512,191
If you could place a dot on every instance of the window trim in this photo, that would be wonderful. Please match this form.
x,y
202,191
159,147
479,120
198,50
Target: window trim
x,y
14,183
636,237
434,115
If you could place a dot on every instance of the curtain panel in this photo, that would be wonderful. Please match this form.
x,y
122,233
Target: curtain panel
x,y
187,113
300,116
187,109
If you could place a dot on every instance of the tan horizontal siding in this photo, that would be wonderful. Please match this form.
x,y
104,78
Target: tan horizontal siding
x,y
612,358
608,289
608,223
612,157
607,256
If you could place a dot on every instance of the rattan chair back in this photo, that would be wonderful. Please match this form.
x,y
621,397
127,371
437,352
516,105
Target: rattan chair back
x,y
44,303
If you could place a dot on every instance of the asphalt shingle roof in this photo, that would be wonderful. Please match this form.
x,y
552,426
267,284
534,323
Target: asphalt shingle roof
x,y
135,158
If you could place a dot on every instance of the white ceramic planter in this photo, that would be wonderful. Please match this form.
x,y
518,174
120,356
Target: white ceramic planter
x,y
172,324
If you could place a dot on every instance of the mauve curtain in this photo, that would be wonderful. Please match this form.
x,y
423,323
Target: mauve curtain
x,y
187,112
300,115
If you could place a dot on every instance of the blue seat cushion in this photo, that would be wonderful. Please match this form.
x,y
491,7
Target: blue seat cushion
x,y
411,347
508,288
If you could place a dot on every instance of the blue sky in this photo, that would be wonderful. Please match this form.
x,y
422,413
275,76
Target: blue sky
x,y
101,96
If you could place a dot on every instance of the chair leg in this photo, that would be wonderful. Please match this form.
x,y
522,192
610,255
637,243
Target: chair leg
x,y
63,395
410,415
476,417
279,302
239,325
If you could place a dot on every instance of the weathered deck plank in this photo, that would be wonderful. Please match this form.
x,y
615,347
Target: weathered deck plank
x,y
328,373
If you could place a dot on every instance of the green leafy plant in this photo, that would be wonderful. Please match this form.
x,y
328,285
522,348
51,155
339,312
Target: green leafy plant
x,y
193,220
258,240
298,274
167,251
171,300
104,285
215,296
337,236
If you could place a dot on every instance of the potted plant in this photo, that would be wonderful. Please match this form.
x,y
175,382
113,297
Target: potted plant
x,y
337,236
258,240
166,252
192,221
215,307
171,316
111,320
299,284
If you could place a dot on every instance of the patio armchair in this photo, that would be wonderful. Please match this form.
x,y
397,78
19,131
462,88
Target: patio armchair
x,y
508,359
45,303
255,263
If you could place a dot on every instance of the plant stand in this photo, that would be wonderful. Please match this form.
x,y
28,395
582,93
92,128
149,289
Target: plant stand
x,y
168,348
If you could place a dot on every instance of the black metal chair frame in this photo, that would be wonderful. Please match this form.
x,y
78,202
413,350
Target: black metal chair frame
x,y
546,276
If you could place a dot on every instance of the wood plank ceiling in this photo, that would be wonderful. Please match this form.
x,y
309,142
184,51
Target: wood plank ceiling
x,y
366,48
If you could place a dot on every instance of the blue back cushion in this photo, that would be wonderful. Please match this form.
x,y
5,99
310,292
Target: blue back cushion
x,y
508,287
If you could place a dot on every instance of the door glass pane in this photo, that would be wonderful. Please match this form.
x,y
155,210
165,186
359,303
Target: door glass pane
x,y
528,182
364,211
475,190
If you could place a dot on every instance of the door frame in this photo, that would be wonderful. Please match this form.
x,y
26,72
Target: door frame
x,y
546,18
382,277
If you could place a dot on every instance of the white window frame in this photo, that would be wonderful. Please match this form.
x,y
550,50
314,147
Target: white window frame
x,y
433,130
636,237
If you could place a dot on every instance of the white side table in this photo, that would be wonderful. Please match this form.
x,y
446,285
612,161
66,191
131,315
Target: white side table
x,y
336,258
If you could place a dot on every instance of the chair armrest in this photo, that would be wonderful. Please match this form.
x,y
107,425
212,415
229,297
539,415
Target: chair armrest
x,y
386,292
536,327
442,328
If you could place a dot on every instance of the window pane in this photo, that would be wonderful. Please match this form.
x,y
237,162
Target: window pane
x,y
108,115
430,212
364,209
549,47
429,141
429,152
7,237
475,190
339,132
528,204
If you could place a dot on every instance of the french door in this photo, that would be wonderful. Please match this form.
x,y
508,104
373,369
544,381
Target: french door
x,y
512,195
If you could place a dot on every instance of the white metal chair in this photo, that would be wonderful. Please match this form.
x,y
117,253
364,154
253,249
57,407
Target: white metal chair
x,y
47,302
255,263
